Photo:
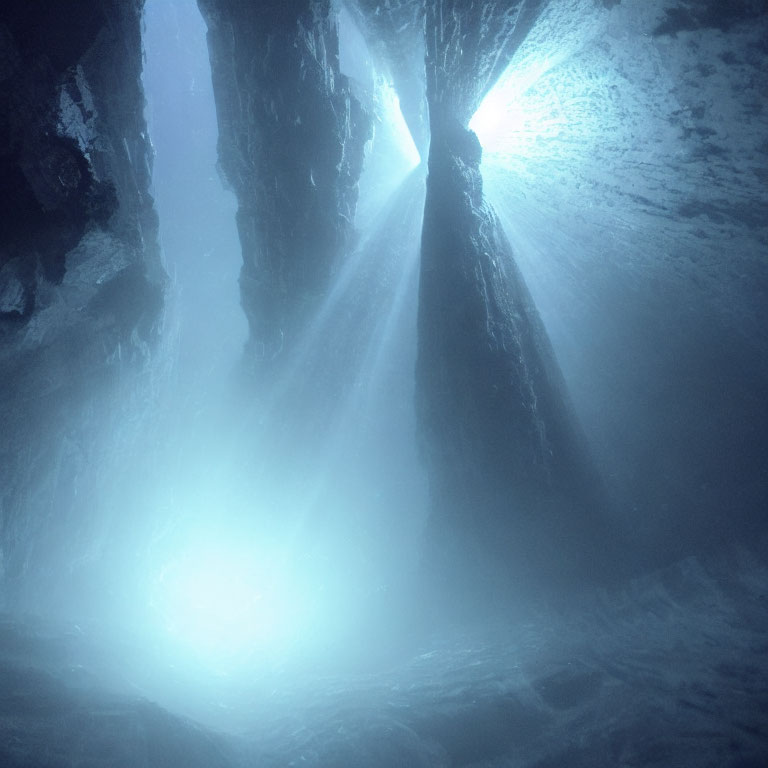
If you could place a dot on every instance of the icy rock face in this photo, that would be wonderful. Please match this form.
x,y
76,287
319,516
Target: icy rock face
x,y
512,489
291,144
80,278
633,189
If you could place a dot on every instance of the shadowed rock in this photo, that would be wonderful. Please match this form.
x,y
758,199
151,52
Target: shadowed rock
x,y
291,139
81,286
513,490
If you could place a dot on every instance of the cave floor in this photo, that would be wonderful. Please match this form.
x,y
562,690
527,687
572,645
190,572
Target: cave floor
x,y
670,671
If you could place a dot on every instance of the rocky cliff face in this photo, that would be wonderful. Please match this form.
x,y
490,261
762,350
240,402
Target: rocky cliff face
x,y
80,274
292,139
513,492
498,436
512,487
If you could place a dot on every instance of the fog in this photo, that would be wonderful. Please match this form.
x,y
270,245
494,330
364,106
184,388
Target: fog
x,y
243,529
281,507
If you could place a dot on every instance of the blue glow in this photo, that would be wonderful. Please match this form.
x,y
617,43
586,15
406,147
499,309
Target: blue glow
x,y
221,601
390,157
354,56
391,134
408,151
391,153
520,114
554,97
250,563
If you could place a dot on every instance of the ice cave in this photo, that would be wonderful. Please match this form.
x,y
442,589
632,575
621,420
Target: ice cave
x,y
384,383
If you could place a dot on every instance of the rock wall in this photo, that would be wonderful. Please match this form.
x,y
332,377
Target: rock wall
x,y
291,144
81,281
633,190
513,490
80,274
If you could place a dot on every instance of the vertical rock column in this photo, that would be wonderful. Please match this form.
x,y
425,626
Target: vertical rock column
x,y
291,144
513,494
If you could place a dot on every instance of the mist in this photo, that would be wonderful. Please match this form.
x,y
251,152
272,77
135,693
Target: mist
x,y
384,384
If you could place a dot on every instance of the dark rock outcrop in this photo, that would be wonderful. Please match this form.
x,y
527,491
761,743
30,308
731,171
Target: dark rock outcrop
x,y
291,145
80,275
513,492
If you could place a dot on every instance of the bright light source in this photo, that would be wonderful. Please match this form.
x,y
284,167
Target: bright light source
x,y
556,98
356,62
392,139
391,154
498,125
354,56
518,113
222,603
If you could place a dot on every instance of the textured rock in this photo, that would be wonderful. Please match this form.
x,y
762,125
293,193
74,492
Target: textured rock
x,y
511,483
80,276
291,145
